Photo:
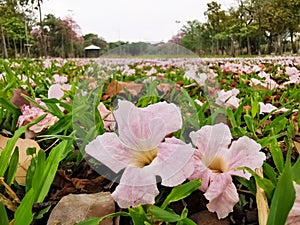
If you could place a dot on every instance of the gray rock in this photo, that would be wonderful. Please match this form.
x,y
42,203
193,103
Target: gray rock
x,y
75,208
208,218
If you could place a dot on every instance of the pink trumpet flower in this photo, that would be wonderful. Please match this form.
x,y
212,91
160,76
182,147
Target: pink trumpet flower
x,y
228,98
143,151
215,163
294,215
109,121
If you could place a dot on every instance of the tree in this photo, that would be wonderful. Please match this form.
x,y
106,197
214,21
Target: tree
x,y
93,39
13,29
62,36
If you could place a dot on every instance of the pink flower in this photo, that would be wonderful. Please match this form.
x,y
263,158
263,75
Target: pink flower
x,y
151,72
59,79
266,108
292,71
57,90
228,98
30,113
109,121
294,75
215,163
143,151
199,78
294,215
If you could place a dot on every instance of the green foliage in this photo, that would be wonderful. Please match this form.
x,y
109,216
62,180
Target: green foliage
x,y
283,198
181,192
6,154
3,215
44,172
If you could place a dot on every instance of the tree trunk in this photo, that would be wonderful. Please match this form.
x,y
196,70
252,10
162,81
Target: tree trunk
x,y
294,50
3,42
43,46
232,50
21,47
279,41
15,48
248,46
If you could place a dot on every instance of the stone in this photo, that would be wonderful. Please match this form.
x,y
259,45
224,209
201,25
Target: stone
x,y
75,208
208,218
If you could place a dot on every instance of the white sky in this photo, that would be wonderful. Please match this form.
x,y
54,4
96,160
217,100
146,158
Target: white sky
x,y
131,20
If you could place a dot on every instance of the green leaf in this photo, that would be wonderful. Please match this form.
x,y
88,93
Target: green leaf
x,y
3,215
164,215
277,155
181,192
54,110
277,125
264,142
96,221
41,213
250,123
8,149
45,170
138,215
270,173
254,106
186,221
295,171
63,124
62,104
231,117
283,198
12,168
264,183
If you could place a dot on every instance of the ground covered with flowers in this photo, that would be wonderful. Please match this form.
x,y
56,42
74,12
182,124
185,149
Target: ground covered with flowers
x,y
173,141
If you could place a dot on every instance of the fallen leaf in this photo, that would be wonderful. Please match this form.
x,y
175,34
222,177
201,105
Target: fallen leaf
x,y
297,144
116,87
24,160
67,185
261,201
19,100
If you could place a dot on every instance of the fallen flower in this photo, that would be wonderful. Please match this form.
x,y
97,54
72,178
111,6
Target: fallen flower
x,y
109,121
266,108
215,163
30,113
143,151
59,79
294,215
57,89
228,98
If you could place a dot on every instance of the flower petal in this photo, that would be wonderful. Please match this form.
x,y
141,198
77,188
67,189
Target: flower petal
x,y
137,187
108,150
145,128
55,91
294,215
222,195
175,161
201,171
244,152
210,139
107,117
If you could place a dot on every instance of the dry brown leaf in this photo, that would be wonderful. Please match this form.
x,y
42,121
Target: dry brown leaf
x,y
24,160
116,87
261,201
66,185
19,100
297,145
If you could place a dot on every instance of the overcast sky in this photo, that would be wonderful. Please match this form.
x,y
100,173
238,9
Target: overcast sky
x,y
131,20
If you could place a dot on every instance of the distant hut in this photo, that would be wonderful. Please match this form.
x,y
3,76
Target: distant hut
x,y
92,51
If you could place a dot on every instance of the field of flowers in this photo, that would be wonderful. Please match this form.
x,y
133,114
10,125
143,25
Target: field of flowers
x,y
175,141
